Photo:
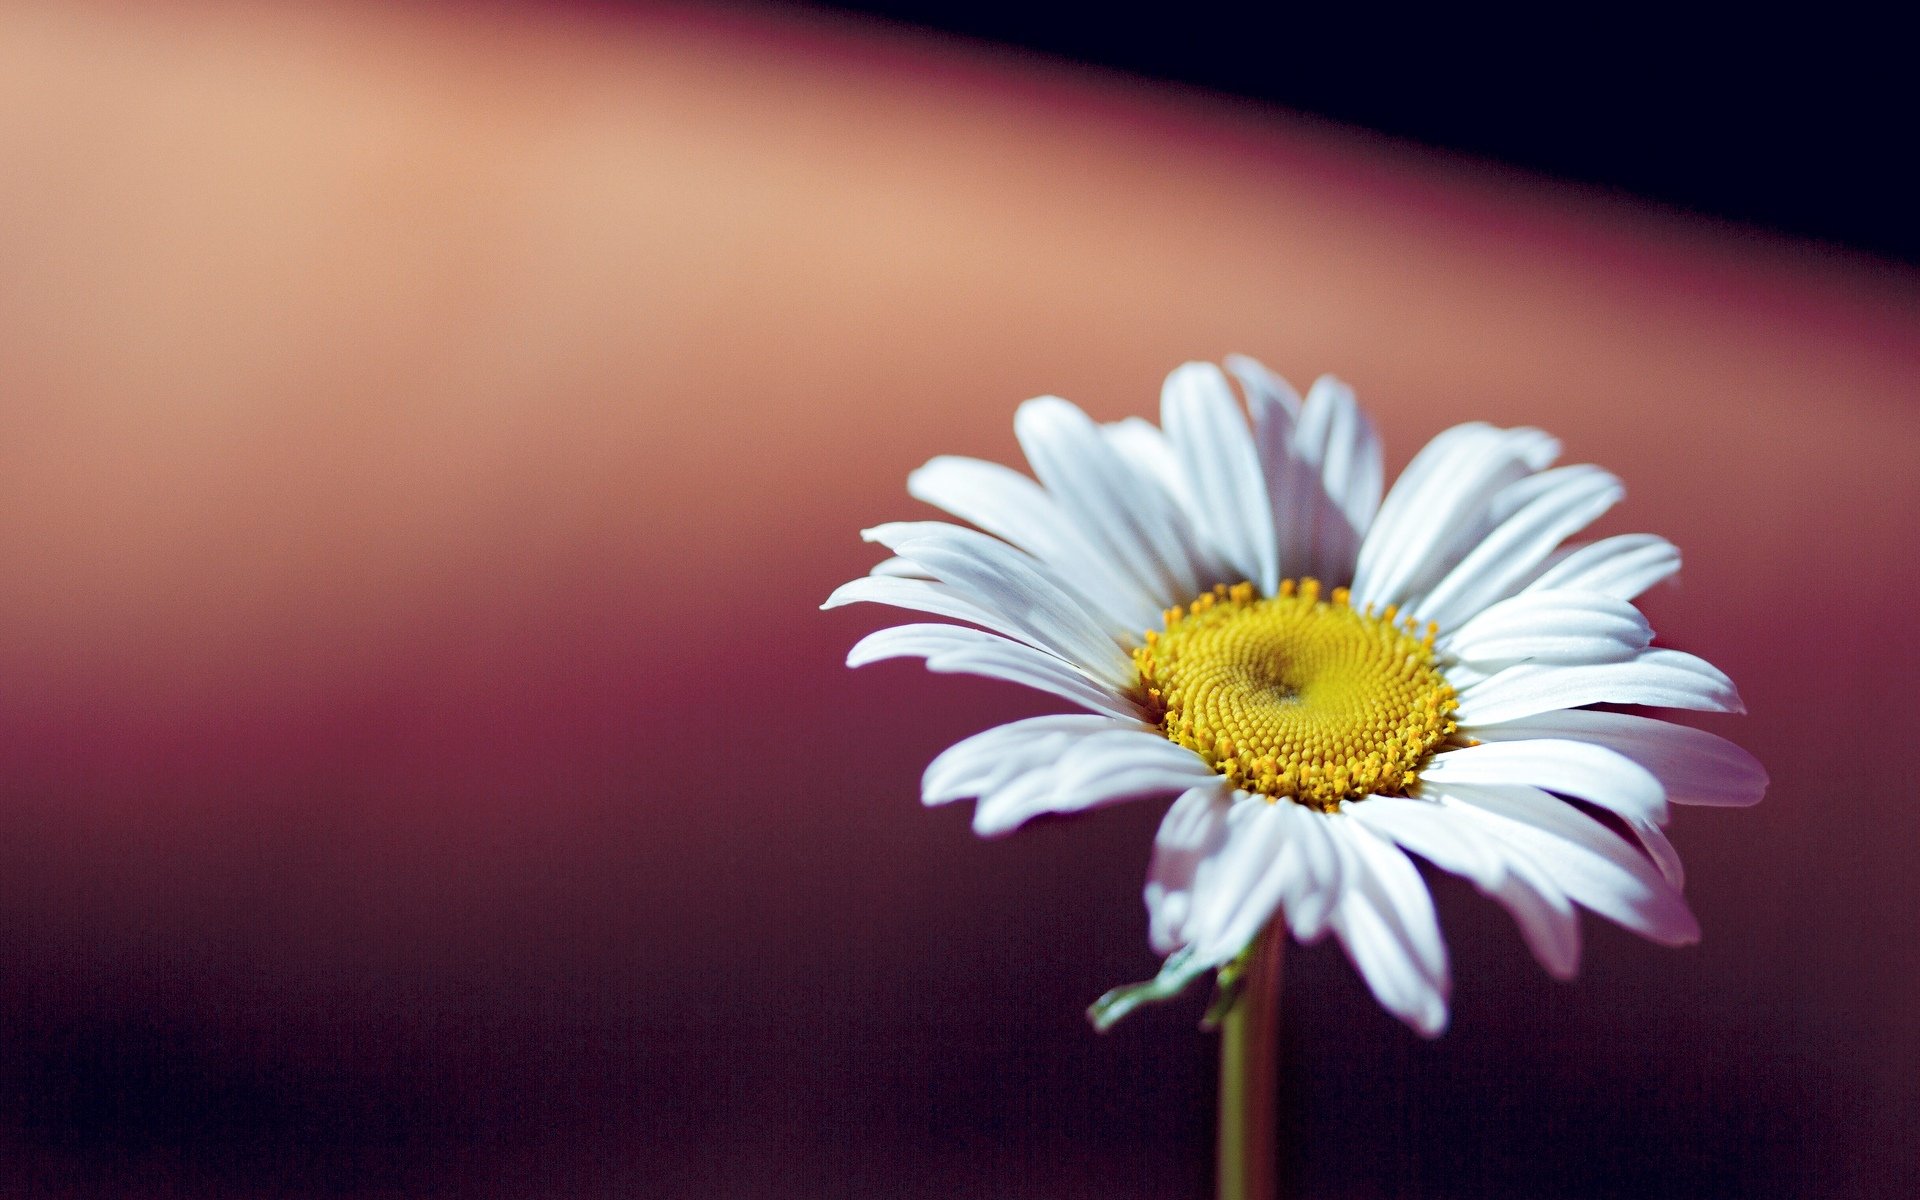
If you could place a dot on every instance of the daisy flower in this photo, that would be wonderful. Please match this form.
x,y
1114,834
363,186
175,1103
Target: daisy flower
x,y
1324,680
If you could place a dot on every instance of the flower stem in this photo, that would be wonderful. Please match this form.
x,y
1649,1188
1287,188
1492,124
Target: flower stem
x,y
1248,1062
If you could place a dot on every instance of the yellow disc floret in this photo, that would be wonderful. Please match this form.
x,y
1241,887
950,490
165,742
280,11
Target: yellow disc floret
x,y
1296,696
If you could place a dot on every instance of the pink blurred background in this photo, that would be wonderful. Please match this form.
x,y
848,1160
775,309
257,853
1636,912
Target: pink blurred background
x,y
425,435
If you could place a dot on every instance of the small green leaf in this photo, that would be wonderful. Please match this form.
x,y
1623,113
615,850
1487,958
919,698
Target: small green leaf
x,y
1179,971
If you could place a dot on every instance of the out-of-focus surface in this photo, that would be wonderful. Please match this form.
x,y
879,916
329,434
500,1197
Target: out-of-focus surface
x,y
425,437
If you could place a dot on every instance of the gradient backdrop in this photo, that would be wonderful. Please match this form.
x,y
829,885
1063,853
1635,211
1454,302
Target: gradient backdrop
x,y
425,436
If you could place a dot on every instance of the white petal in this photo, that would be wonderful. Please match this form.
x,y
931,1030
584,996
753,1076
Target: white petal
x,y
1267,393
956,649
1239,889
1544,914
1696,767
1439,507
989,760
1120,511
928,596
1342,454
1027,595
1314,862
1293,489
1134,762
1322,464
1386,922
1550,626
1400,885
1583,858
1424,827
896,567
1008,505
1595,773
1273,857
1552,506
1190,837
1661,850
1347,449
1644,824
1142,446
1662,678
1548,921
1216,453
1623,566
1094,771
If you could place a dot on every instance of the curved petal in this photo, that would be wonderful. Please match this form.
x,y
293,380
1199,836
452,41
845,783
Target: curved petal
x,y
1421,825
1316,857
1266,858
1551,626
928,596
1439,508
1028,596
1215,448
957,649
1335,436
1550,507
1293,493
1337,481
1387,924
1010,506
1552,765
1661,678
1141,445
1654,840
1584,859
1239,889
1595,773
895,567
1622,567
1123,516
1548,921
1322,463
1190,837
1561,765
1545,916
1695,767
1091,772
990,759
1267,394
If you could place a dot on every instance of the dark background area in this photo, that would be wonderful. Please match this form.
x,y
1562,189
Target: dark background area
x,y
1801,122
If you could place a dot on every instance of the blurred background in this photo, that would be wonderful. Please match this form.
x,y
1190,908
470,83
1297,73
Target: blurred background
x,y
426,433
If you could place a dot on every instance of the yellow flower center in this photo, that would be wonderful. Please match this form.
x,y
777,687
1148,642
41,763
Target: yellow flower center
x,y
1297,697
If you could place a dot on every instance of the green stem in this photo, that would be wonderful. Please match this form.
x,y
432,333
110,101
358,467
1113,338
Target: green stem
x,y
1248,1062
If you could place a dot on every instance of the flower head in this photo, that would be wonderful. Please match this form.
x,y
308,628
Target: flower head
x,y
1325,680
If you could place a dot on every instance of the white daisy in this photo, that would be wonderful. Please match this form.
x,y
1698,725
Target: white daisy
x,y
1324,679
